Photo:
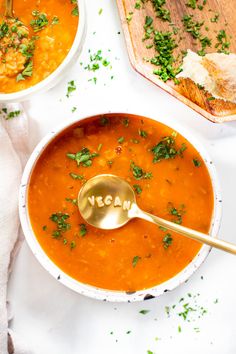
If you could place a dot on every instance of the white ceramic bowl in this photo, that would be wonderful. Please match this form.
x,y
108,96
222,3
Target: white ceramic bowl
x,y
98,293
56,75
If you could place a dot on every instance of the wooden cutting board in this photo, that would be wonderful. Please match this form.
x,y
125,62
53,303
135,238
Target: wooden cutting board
x,y
187,92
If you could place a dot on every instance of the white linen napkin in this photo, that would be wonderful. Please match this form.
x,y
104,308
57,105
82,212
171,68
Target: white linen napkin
x,y
13,153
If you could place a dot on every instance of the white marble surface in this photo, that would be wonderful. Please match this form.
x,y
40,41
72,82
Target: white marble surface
x,y
52,319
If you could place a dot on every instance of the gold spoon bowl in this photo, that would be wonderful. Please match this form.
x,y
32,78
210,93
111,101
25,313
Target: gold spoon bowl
x,y
108,202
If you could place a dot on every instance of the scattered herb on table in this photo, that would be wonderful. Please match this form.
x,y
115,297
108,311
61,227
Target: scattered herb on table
x,y
166,149
135,261
70,88
144,312
83,157
100,11
74,109
138,172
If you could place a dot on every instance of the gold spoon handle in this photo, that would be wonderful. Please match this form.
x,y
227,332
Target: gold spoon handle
x,y
8,8
135,212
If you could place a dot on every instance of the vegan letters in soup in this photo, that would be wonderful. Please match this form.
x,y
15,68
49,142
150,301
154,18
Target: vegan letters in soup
x,y
35,42
170,180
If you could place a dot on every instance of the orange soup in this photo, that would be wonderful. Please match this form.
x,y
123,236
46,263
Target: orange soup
x,y
36,42
170,180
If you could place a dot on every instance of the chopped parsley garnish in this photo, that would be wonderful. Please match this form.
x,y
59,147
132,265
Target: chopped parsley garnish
x,y
72,245
27,72
129,17
39,22
75,11
121,140
167,240
137,188
76,176
165,45
103,121
137,5
148,28
70,88
44,227
62,226
73,201
223,43
176,213
138,172
135,261
191,26
144,312
142,133
161,12
83,157
83,230
215,18
196,163
205,42
166,149
55,20
125,122
134,141
192,4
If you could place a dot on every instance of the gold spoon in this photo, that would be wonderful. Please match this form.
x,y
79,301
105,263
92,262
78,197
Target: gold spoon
x,y
9,8
108,202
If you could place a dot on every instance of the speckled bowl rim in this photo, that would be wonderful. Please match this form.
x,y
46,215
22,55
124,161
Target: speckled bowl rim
x,y
104,294
56,75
